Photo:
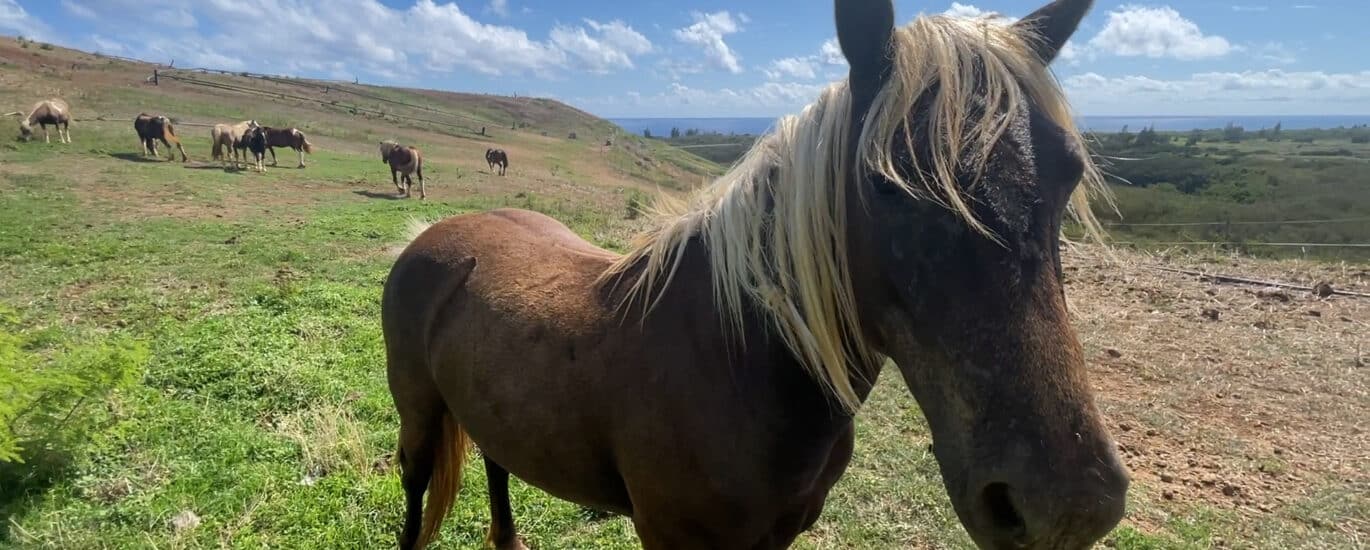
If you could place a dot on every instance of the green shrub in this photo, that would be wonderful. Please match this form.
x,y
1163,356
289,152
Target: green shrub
x,y
45,398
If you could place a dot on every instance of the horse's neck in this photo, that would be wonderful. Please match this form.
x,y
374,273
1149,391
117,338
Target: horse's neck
x,y
752,349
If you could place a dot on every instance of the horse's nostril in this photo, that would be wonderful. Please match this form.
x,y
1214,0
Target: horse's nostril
x,y
997,505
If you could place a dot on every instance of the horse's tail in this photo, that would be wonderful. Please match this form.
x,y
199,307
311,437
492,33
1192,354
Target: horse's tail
x,y
217,136
448,457
304,142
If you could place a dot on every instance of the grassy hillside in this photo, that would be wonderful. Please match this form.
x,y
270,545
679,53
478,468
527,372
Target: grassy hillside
x,y
1241,187
191,357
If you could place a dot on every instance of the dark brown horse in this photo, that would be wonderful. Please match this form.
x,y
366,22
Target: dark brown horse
x,y
403,160
497,157
153,128
287,137
705,383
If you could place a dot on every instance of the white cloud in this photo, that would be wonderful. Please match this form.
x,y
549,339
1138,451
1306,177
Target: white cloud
x,y
967,11
605,48
345,38
681,100
1156,32
14,19
78,10
1202,92
1275,52
708,32
499,7
1305,7
1245,8
831,53
793,67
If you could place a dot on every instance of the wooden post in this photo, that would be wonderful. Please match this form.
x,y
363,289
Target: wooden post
x,y
155,77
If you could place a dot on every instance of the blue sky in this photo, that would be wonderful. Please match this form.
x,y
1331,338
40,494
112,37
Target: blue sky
x,y
709,58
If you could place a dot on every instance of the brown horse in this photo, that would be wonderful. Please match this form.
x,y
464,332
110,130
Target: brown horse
x,y
705,383
403,160
152,128
54,112
497,157
287,137
226,139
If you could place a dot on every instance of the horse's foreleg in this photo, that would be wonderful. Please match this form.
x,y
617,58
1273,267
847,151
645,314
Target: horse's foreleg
x,y
66,129
300,152
395,178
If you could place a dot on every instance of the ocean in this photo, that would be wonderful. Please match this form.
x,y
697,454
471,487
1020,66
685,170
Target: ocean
x,y
758,125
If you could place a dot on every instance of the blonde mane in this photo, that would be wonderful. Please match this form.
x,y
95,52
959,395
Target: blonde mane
x,y
775,225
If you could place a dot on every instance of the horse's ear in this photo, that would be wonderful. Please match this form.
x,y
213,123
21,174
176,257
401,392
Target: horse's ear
x,y
865,30
1052,25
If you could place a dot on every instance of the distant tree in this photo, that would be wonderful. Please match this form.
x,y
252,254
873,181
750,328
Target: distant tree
x,y
647,133
691,132
675,133
1195,137
1148,137
1275,134
1233,133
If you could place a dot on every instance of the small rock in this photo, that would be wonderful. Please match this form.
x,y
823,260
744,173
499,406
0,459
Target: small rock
x,y
1113,353
1263,325
1151,433
1125,427
232,240
1231,490
1168,495
1314,313
1324,289
1167,478
1211,314
1279,451
184,521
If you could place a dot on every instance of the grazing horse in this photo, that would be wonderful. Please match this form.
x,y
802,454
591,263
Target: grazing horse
x,y
287,137
705,382
495,157
403,160
53,111
226,139
256,142
152,128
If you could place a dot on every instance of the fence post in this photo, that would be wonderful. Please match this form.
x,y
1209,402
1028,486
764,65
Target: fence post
x,y
155,76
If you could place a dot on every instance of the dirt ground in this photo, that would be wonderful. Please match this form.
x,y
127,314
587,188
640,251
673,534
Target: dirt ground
x,y
1246,398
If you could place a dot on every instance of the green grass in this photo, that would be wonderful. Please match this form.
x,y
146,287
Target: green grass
x,y
262,405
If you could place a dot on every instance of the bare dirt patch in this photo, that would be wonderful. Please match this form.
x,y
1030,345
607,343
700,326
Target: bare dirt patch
x,y
1237,397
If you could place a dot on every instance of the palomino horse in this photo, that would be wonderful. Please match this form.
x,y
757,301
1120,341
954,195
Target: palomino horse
x,y
403,160
287,137
496,157
705,383
255,141
53,112
226,138
152,128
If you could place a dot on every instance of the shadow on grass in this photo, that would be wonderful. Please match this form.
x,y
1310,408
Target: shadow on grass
x,y
381,196
135,157
23,485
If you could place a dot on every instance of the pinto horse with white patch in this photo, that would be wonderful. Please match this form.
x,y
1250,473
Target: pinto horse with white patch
x,y
403,160
154,128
